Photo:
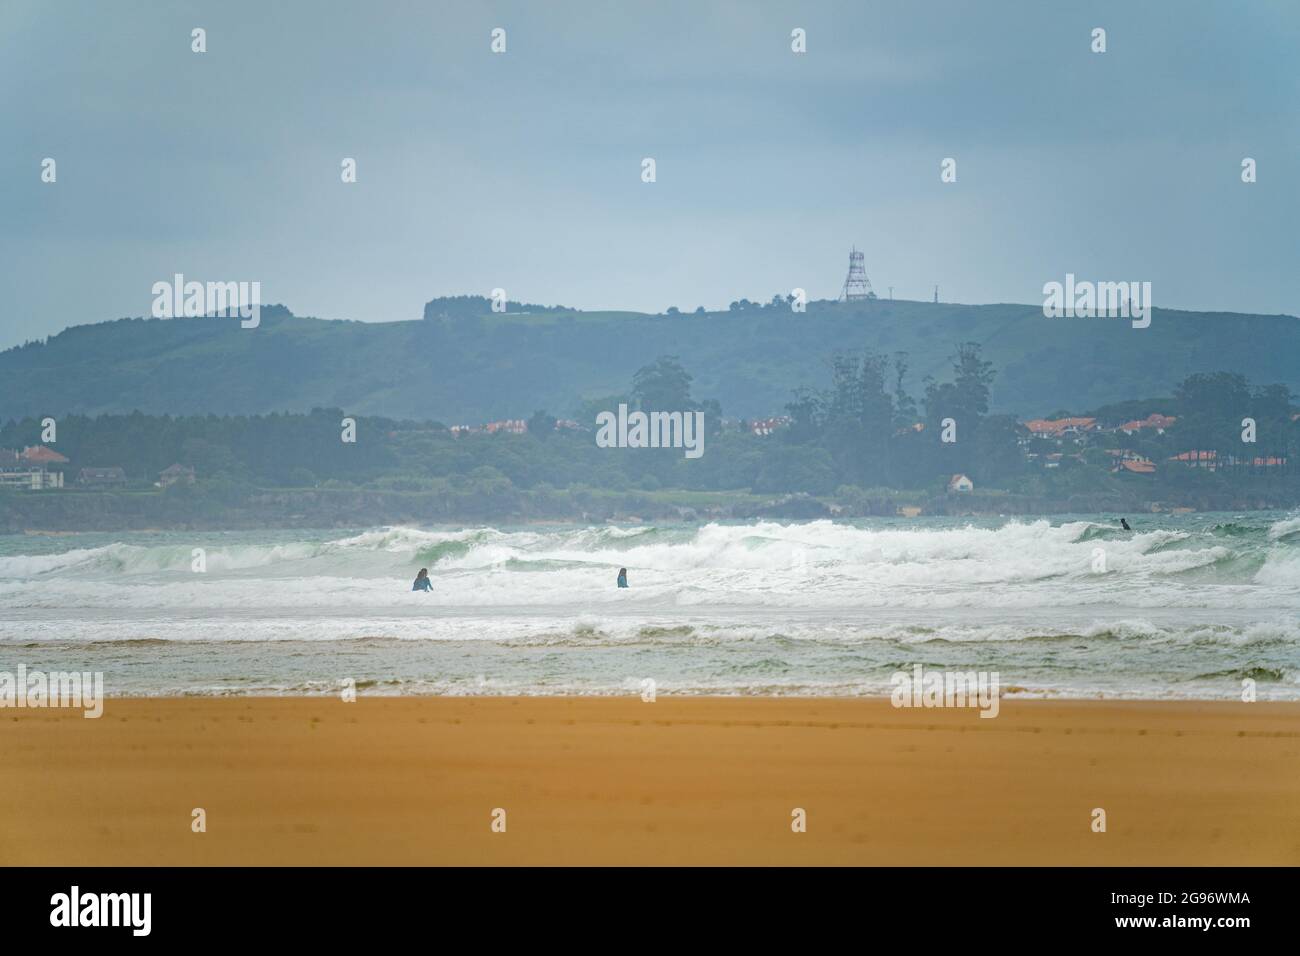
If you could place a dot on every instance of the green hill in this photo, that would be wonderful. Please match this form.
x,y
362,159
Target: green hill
x,y
479,368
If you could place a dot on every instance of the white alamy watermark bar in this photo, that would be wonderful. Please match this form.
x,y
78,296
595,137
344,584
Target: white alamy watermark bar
x,y
1106,300
651,430
193,299
75,908
36,689
947,688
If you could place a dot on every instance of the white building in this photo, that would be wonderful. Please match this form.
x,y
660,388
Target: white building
x,y
31,468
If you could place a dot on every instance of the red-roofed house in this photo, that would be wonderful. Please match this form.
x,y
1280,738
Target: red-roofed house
x,y
1154,420
514,426
39,454
1056,428
1138,466
1131,461
102,476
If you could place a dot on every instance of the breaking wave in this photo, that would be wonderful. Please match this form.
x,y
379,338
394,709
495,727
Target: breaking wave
x,y
1186,604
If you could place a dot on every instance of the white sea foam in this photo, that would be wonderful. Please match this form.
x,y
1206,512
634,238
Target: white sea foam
x,y
731,606
1284,528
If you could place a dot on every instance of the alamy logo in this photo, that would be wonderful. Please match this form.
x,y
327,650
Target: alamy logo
x,y
55,689
651,430
178,298
1107,300
103,909
944,688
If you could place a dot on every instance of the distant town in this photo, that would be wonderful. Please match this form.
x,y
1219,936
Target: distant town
x,y
1046,444
863,444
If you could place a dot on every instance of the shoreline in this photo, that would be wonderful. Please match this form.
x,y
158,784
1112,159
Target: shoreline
x,y
363,694
683,780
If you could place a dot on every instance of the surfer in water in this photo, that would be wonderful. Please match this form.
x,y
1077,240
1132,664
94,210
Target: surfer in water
x,y
622,577
1123,523
422,581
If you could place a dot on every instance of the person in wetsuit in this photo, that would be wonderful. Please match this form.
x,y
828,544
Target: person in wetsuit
x,y
622,577
422,581
1123,523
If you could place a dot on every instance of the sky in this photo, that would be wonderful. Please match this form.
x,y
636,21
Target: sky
x,y
522,170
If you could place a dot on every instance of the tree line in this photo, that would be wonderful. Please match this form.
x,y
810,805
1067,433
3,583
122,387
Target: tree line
x,y
865,428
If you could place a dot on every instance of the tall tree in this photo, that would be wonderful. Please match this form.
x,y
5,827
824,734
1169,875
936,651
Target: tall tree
x,y
663,387
905,411
972,378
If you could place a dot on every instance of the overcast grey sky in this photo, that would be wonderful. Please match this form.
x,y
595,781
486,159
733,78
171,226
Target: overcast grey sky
x,y
522,170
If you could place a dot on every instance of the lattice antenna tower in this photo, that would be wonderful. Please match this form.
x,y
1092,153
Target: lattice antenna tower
x,y
857,287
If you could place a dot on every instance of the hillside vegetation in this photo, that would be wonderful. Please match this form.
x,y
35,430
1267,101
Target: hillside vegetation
x,y
467,368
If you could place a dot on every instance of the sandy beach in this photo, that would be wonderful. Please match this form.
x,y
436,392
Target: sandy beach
x,y
415,781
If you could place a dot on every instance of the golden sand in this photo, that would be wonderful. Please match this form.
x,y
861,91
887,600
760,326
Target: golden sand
x,y
619,781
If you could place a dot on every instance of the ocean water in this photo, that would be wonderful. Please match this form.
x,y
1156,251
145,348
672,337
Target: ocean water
x,y
1185,606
